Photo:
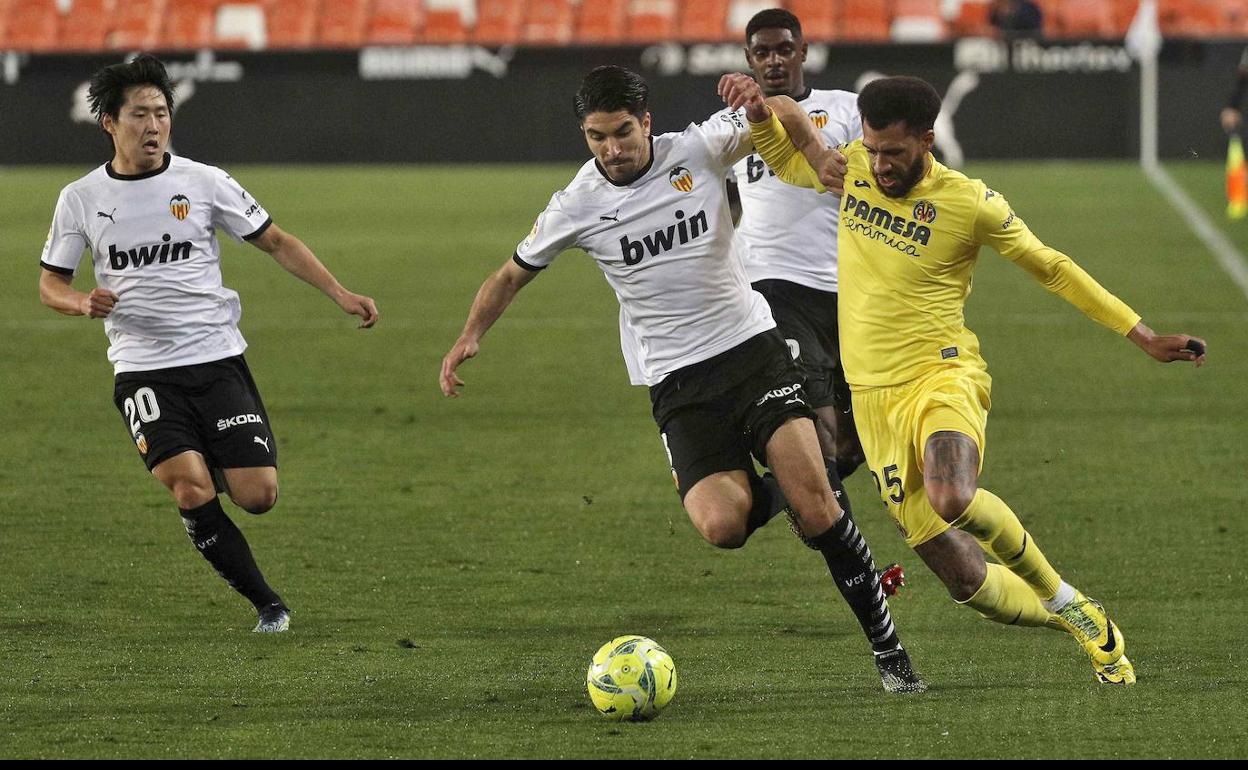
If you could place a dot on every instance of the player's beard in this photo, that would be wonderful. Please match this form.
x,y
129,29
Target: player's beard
x,y
911,178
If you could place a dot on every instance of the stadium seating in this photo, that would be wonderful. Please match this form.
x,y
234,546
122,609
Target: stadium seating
x,y
498,22
703,20
292,23
651,21
866,20
394,22
33,25
96,25
819,22
343,23
601,22
548,22
136,25
188,24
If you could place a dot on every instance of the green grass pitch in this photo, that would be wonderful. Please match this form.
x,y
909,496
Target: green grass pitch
x,y
454,564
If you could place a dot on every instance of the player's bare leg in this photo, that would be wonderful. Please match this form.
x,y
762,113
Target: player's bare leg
x,y
252,489
187,477
1024,589
794,455
719,507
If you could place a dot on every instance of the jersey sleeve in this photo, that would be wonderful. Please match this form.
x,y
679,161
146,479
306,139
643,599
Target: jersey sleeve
x,y
727,137
235,211
67,238
555,231
997,225
772,142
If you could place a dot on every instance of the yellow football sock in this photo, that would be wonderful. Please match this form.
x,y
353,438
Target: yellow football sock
x,y
990,521
1005,598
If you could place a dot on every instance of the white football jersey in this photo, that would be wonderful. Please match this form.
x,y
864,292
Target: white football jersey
x,y
789,232
665,244
153,241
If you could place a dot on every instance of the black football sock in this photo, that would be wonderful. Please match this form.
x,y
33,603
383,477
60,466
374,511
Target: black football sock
x,y
849,560
225,548
838,486
768,501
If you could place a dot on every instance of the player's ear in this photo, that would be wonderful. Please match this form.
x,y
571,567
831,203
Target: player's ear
x,y
106,123
645,125
804,50
928,139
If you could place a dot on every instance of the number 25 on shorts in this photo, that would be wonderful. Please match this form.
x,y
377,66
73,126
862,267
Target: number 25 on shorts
x,y
892,481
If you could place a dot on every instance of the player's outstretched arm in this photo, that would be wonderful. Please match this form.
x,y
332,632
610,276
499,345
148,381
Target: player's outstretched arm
x,y
1168,347
56,292
492,299
298,260
828,162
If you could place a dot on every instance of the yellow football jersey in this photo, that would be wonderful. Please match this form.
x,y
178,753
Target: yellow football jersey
x,y
906,263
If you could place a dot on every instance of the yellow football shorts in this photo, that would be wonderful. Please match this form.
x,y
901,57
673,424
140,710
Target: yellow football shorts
x,y
894,424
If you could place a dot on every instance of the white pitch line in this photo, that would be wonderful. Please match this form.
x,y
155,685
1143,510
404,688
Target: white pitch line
x,y
1229,257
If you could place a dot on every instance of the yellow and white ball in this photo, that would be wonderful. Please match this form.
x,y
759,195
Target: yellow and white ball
x,y
631,678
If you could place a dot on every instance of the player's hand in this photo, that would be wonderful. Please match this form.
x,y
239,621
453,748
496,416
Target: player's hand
x,y
364,307
1169,347
99,303
460,352
740,90
1231,119
832,169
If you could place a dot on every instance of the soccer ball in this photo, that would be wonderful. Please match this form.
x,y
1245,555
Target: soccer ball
x,y
631,677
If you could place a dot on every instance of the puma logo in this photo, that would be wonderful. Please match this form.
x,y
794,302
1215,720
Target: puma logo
x,y
613,218
264,442
108,216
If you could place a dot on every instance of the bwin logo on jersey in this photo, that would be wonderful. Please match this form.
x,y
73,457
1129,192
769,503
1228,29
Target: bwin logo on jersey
x,y
180,206
925,211
141,256
819,118
679,234
242,419
681,179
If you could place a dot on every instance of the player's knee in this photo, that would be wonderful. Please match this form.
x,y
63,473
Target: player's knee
x,y
950,501
964,583
724,531
190,494
257,499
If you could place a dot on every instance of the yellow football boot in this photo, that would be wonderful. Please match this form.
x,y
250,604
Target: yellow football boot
x,y
1085,620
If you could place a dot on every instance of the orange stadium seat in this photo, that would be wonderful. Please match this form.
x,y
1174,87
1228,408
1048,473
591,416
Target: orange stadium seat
x,y
443,26
343,23
601,21
1124,14
136,25
1080,18
1189,18
188,24
394,22
548,22
498,22
291,23
1234,17
1049,16
866,20
651,21
818,18
972,19
86,26
33,25
703,20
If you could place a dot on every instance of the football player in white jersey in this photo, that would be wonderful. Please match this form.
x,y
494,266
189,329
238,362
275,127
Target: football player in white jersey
x,y
181,384
653,213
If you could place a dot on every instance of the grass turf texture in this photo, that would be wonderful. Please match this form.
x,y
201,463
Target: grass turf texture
x,y
453,564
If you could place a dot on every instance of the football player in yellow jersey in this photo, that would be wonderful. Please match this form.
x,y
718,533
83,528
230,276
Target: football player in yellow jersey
x,y
910,233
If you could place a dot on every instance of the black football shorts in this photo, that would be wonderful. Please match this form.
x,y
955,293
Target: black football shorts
x,y
714,414
806,318
213,408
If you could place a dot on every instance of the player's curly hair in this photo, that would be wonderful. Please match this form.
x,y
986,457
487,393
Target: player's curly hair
x,y
107,90
910,101
773,18
610,89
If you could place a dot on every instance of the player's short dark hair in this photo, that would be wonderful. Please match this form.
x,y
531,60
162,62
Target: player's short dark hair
x,y
773,18
107,90
610,89
910,101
